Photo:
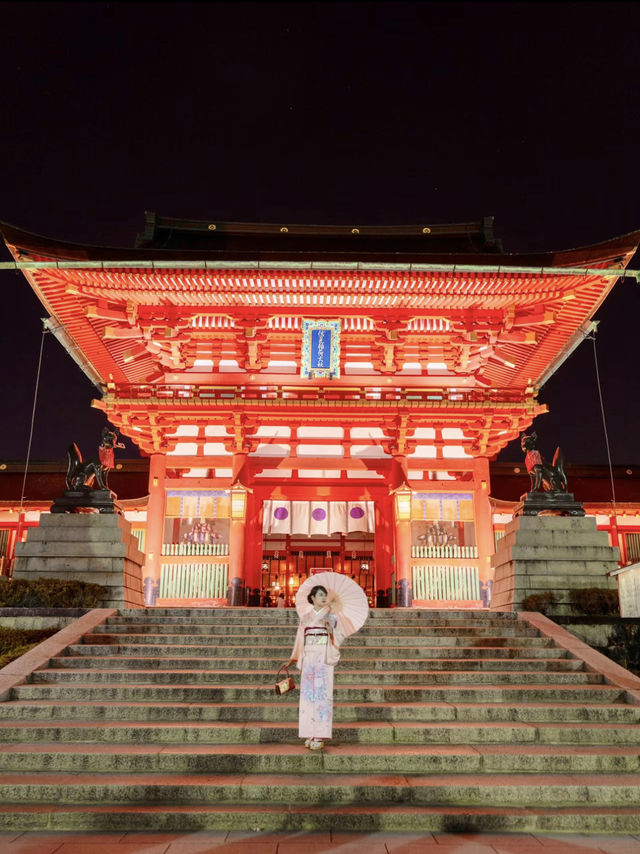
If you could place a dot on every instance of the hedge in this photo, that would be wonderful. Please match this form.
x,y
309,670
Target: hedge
x,y
15,642
50,593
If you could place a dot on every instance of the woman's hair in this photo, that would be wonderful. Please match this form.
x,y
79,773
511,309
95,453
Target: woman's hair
x,y
315,590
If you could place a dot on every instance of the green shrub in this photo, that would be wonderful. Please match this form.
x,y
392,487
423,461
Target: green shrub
x,y
50,593
595,602
538,602
15,642
623,646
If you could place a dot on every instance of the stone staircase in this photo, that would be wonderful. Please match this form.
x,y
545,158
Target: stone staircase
x,y
444,721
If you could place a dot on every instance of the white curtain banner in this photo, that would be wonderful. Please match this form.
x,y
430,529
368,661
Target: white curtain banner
x,y
357,516
281,517
266,517
300,511
337,517
319,517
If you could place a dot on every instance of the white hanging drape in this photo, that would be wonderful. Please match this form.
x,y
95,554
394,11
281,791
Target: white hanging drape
x,y
318,517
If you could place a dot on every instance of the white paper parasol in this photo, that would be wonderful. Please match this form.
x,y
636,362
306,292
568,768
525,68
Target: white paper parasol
x,y
347,599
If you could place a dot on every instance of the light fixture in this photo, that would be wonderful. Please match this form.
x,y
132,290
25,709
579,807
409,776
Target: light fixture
x,y
238,503
403,503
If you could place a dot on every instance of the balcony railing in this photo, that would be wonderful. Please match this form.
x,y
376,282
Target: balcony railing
x,y
459,552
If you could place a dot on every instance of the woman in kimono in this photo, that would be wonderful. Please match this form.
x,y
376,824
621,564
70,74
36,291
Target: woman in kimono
x,y
316,651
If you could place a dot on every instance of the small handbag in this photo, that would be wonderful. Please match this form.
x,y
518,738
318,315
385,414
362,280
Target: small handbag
x,y
284,685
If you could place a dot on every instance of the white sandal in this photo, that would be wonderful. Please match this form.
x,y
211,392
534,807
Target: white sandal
x,y
316,744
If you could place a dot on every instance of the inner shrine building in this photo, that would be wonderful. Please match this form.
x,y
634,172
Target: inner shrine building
x,y
315,397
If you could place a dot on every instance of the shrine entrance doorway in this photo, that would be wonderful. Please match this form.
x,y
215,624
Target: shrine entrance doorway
x,y
288,561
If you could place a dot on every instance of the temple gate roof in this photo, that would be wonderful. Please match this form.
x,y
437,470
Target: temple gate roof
x,y
445,338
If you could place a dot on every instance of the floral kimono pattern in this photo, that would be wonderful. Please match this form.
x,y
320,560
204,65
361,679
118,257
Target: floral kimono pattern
x,y
315,718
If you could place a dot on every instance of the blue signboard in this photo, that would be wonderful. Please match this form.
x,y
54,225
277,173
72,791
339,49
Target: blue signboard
x,y
320,348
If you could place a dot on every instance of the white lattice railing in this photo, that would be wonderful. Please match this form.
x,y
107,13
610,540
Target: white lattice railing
x,y
220,549
193,581
446,582
464,552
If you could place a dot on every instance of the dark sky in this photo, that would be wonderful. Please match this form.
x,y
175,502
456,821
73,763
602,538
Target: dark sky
x,y
374,113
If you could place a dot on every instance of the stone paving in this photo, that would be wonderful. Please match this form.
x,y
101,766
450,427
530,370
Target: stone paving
x,y
315,843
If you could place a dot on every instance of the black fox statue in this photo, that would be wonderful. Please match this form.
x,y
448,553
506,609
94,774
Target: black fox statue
x,y
544,476
83,475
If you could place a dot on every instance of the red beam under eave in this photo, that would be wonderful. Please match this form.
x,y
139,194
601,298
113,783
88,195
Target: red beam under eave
x,y
324,463
256,378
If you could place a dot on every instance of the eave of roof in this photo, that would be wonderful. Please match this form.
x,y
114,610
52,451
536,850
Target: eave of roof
x,y
26,245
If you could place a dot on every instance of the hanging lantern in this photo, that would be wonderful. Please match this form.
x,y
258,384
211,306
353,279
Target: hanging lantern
x,y
238,503
403,503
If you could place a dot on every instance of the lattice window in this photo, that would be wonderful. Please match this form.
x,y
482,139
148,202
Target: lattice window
x,y
633,547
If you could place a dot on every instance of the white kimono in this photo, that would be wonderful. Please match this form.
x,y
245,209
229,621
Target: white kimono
x,y
316,657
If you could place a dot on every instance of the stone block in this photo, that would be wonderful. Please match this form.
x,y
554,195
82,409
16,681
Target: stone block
x,y
77,548
75,533
565,553
91,547
83,520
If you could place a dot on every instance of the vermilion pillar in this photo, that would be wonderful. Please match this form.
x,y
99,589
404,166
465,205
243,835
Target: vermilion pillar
x,y
402,541
155,527
237,529
253,543
383,544
483,522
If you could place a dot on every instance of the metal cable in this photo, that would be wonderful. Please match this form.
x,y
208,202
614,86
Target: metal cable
x,y
604,424
33,418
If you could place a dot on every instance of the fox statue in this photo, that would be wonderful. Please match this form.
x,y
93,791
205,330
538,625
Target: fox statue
x,y
544,476
81,475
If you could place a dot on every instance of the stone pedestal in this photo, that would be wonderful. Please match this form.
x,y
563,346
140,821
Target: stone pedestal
x,y
556,554
93,547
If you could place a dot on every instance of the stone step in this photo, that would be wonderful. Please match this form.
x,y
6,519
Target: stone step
x,y
368,818
275,614
339,759
240,645
266,631
567,790
362,732
206,648
347,663
368,631
365,692
281,710
204,675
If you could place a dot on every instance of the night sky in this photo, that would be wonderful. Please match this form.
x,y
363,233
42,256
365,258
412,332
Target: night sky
x,y
344,113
